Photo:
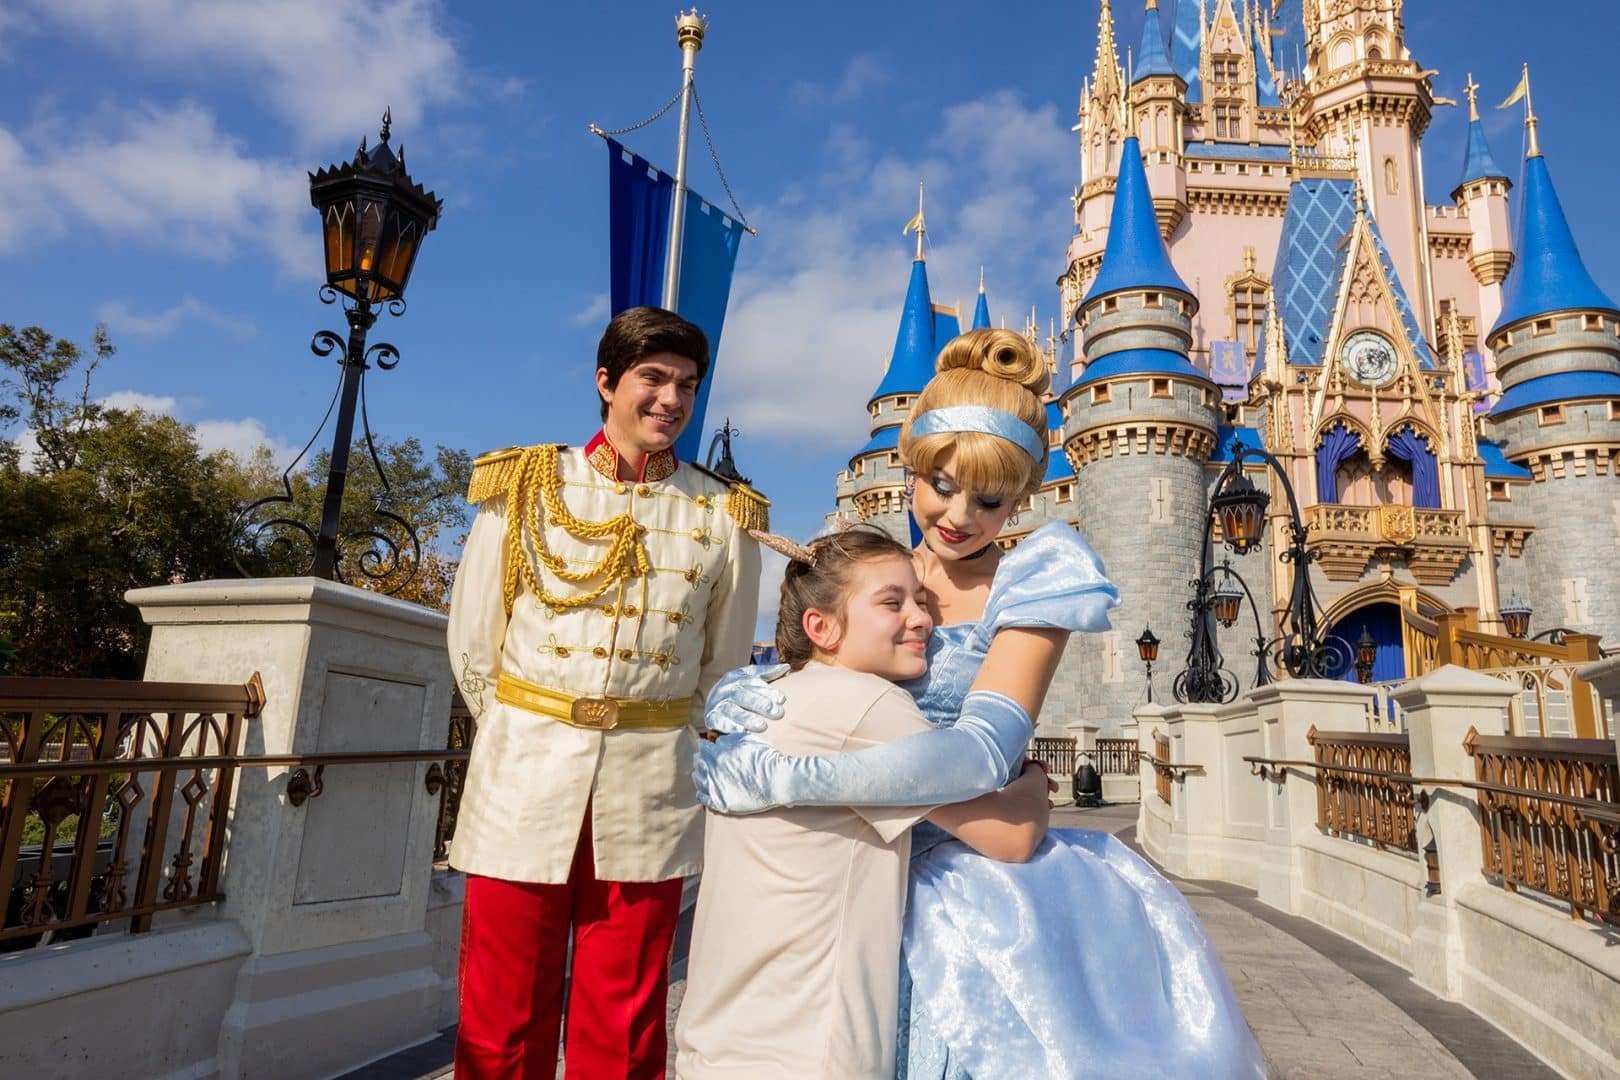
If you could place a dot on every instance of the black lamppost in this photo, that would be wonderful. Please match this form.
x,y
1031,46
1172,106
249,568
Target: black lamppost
x,y
373,220
1366,655
1516,617
1147,648
1301,647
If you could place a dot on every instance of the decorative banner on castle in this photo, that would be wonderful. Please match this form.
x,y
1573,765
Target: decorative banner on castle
x,y
1229,368
1474,371
639,200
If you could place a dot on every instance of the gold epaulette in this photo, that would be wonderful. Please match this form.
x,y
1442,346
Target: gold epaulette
x,y
492,473
747,507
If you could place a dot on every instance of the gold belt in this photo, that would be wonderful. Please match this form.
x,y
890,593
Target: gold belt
x,y
593,712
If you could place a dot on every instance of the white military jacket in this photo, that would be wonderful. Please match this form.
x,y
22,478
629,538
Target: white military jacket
x,y
664,635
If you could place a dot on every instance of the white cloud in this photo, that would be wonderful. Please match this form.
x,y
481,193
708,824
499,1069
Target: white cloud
x,y
816,302
124,322
327,68
863,72
169,177
594,312
132,400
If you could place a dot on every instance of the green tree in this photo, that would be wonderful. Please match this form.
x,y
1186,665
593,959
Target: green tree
x,y
113,500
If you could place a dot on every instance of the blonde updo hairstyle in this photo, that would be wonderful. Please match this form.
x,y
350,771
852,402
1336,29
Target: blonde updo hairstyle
x,y
824,583
995,368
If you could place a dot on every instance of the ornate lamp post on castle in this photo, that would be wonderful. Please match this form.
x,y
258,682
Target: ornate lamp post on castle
x,y
1147,648
373,220
1301,648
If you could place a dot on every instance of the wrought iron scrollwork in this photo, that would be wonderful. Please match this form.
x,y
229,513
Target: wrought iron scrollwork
x,y
385,549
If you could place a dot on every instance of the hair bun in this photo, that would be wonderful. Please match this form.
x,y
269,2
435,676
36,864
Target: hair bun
x,y
1002,354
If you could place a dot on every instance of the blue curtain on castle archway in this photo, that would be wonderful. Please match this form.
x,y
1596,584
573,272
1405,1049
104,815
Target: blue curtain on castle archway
x,y
1338,443
1407,445
1383,624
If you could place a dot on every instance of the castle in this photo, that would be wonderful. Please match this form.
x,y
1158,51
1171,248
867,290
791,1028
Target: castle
x,y
1442,393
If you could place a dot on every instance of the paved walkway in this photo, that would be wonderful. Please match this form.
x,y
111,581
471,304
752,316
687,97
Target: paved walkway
x,y
1319,1005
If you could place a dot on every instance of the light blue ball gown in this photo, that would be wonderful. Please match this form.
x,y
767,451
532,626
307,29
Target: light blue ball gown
x,y
1084,961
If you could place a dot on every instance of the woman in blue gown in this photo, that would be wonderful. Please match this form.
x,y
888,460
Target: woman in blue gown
x,y
1083,961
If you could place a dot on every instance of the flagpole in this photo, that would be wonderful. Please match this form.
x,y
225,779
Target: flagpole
x,y
689,29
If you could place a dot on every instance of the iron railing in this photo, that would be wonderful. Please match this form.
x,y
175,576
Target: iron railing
x,y
114,796
1116,756
1547,818
1359,791
1059,754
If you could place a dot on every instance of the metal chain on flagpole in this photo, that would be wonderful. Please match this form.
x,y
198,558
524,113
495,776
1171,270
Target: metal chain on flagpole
x,y
713,156
668,105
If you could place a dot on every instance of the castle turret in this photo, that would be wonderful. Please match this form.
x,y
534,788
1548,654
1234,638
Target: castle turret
x,y
1102,127
1482,193
981,310
1141,422
1557,346
1159,102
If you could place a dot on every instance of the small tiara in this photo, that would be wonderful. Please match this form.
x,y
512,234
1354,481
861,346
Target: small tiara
x,y
783,546
955,419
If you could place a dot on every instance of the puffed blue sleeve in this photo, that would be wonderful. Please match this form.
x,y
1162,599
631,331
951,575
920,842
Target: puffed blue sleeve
x,y
1052,580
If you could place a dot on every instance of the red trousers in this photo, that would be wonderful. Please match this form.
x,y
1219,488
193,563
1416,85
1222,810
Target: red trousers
x,y
514,948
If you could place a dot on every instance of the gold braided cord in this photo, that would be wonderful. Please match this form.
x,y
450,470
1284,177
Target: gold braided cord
x,y
540,470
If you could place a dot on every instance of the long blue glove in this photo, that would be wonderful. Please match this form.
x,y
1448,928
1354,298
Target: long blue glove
x,y
744,700
741,774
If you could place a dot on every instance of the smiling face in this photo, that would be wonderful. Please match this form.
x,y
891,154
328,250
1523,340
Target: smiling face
x,y
650,406
956,522
883,628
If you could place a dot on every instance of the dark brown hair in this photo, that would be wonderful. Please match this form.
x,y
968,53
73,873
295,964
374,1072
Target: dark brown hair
x,y
639,332
825,586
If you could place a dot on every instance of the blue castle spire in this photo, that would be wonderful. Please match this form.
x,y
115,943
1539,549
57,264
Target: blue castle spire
x,y
981,311
1548,274
912,363
1265,87
1188,45
1151,59
1478,164
1135,257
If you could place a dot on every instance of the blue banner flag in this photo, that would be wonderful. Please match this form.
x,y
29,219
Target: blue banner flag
x,y
640,196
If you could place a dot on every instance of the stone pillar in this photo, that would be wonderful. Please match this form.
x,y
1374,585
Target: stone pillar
x,y
1152,816
1195,800
1127,787
1084,735
1440,709
1288,711
332,895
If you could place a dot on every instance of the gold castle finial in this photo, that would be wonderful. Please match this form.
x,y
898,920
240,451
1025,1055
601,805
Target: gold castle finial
x,y
1471,88
981,279
917,223
690,28
1523,91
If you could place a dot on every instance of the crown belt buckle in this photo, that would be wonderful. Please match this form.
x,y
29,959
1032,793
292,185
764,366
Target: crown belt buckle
x,y
600,713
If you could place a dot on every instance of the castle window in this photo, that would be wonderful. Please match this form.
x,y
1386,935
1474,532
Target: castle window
x,y
1392,183
1550,414
1541,326
894,459
1224,69
1099,394
1228,120
1614,410
902,402
1065,493
860,467
1110,305
1161,388
1593,322
1152,299
1498,490
1248,291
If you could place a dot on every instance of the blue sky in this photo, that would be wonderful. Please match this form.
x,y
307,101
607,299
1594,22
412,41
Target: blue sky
x,y
153,157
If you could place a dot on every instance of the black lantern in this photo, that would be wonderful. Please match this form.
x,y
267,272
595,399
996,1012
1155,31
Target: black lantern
x,y
1241,508
1147,646
1516,616
1366,654
1226,600
373,219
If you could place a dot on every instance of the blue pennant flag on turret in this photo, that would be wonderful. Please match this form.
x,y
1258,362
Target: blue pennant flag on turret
x,y
639,197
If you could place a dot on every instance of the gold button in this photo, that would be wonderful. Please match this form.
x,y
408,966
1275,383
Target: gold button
x,y
631,611
562,651
599,652
607,609
660,658
620,488
690,575
643,490
675,617
702,500
625,654
697,534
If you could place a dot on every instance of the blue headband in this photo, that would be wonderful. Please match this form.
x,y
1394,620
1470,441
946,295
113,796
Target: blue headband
x,y
1003,425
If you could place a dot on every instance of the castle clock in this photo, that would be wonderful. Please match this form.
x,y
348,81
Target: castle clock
x,y
1369,357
